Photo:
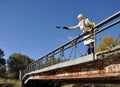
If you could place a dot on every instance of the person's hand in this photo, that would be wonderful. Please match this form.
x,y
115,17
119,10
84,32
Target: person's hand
x,y
65,28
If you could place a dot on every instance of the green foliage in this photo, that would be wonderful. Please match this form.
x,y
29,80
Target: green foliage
x,y
2,61
1,53
17,62
3,72
2,65
107,42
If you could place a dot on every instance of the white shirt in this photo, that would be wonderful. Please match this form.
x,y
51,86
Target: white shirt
x,y
82,25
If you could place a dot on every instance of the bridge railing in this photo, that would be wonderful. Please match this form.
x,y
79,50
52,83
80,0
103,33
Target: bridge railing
x,y
60,54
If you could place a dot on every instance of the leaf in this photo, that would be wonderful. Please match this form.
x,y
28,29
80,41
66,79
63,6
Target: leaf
x,y
57,27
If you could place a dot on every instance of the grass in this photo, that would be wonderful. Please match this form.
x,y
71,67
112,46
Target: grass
x,y
95,85
9,83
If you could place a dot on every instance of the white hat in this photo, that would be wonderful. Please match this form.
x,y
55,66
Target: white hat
x,y
80,16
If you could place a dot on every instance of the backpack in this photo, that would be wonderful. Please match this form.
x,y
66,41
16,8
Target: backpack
x,y
89,27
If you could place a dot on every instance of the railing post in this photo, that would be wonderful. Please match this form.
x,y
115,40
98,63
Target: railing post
x,y
74,47
94,36
20,77
46,60
62,54
53,59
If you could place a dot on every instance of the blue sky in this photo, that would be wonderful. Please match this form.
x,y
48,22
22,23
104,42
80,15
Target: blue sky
x,y
28,26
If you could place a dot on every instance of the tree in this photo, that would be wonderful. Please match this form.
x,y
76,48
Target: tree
x,y
2,61
3,73
17,62
107,42
1,53
2,64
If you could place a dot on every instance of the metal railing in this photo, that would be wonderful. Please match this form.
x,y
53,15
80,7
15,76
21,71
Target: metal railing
x,y
58,54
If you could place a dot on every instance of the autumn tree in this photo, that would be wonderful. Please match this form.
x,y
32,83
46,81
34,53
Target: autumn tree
x,y
107,42
17,62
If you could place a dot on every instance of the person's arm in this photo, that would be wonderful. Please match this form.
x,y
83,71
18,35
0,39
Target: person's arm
x,y
71,28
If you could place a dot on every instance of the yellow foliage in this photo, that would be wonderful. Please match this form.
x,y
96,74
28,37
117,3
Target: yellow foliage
x,y
107,42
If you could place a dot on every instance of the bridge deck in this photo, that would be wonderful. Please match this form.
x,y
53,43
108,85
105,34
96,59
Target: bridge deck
x,y
69,63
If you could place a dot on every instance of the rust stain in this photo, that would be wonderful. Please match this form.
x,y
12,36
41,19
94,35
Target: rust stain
x,y
112,68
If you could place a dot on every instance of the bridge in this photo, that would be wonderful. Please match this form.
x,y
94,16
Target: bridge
x,y
66,64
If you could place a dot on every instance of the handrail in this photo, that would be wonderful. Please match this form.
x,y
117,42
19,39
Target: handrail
x,y
116,15
40,63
